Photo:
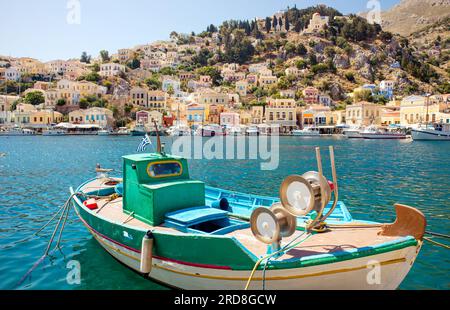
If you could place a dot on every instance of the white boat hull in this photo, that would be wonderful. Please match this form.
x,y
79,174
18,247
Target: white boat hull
x,y
384,271
384,136
353,134
430,135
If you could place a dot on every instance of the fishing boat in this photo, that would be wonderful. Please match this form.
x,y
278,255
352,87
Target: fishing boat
x,y
179,131
373,133
175,230
306,132
438,132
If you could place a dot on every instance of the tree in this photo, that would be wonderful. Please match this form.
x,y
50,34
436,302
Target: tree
x,y
301,49
133,63
61,102
213,72
170,90
268,24
35,98
280,23
85,58
275,23
287,24
105,56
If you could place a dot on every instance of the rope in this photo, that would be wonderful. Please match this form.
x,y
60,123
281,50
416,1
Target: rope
x,y
437,243
437,235
284,249
65,212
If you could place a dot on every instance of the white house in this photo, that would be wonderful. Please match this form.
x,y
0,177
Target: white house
x,y
111,69
12,74
229,119
171,83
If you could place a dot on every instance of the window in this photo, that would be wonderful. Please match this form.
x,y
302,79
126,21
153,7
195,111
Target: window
x,y
165,169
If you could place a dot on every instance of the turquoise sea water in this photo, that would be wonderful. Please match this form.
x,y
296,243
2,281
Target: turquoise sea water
x,y
37,172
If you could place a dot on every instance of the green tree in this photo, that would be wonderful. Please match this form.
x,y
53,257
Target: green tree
x,y
301,49
268,24
287,24
61,102
275,23
85,58
34,98
213,72
104,54
133,63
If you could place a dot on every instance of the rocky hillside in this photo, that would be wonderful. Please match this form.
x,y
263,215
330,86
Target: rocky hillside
x,y
413,15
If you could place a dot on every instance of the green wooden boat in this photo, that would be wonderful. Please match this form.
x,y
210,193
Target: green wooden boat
x,y
180,232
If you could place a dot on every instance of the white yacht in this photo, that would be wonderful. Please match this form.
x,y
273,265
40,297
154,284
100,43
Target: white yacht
x,y
54,132
103,132
307,132
439,132
373,133
123,131
353,133
235,131
17,131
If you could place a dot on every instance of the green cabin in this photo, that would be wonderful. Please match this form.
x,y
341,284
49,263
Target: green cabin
x,y
157,184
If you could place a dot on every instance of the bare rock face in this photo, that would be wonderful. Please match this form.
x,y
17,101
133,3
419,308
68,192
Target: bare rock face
x,y
360,60
412,15
341,61
336,91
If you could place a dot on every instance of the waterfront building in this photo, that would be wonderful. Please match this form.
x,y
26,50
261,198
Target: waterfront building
x,y
257,114
281,112
214,112
148,118
363,114
418,110
196,114
22,113
95,116
44,118
6,116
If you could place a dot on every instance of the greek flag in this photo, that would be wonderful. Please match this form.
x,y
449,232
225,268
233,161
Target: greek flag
x,y
145,141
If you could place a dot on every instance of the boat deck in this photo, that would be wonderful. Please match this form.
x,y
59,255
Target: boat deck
x,y
336,240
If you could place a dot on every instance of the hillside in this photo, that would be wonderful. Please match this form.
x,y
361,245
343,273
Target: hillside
x,y
413,15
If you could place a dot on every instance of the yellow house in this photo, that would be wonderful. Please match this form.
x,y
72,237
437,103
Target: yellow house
x,y
417,110
45,117
363,114
197,114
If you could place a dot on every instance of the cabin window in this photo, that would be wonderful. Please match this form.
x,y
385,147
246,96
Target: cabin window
x,y
165,169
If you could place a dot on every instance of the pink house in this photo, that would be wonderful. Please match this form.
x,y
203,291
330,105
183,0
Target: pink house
x,y
229,119
311,95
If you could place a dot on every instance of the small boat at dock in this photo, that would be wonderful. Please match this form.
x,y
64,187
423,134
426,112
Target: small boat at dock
x,y
373,133
178,231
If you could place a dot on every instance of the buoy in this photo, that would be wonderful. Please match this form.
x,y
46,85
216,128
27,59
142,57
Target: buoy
x,y
91,204
146,253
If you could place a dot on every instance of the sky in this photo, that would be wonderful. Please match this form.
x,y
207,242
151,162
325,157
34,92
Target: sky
x,y
52,29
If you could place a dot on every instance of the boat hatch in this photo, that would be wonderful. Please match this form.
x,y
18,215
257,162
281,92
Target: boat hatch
x,y
203,220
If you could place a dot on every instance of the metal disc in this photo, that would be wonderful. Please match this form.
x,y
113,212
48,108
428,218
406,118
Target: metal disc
x,y
265,226
288,222
297,195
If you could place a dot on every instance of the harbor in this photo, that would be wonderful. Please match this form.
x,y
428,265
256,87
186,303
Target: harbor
x,y
370,184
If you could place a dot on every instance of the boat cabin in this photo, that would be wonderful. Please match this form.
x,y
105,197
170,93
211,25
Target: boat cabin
x,y
158,190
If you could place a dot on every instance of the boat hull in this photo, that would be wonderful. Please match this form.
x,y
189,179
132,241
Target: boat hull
x,y
384,271
228,267
376,136
424,135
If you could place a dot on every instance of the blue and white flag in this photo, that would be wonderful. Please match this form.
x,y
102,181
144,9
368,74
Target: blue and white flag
x,y
145,142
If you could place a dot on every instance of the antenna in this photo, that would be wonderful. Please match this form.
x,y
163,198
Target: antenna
x,y
159,149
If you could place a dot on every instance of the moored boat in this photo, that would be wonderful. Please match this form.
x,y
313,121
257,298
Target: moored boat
x,y
352,133
306,132
54,132
177,231
439,132
139,130
373,133
211,130
17,131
